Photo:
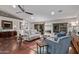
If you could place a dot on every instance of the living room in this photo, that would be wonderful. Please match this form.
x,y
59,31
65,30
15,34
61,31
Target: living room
x,y
29,29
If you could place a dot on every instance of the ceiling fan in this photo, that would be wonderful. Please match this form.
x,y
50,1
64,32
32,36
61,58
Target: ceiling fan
x,y
23,10
18,12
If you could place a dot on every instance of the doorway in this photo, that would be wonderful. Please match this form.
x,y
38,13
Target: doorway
x,y
39,27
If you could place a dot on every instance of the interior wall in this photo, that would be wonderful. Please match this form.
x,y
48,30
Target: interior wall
x,y
49,25
68,20
15,22
28,24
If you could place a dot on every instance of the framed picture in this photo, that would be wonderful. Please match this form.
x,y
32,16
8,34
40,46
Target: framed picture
x,y
7,24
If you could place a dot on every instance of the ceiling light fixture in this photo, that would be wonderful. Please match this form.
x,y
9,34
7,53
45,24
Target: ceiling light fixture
x,y
52,13
14,6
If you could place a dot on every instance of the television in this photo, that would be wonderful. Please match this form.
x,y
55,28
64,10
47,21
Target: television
x,y
7,24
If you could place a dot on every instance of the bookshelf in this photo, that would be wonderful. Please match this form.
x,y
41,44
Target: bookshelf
x,y
57,27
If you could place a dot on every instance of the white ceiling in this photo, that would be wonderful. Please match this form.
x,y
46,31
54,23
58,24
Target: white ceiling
x,y
43,12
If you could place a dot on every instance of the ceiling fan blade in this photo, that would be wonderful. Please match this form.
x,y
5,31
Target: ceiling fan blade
x,y
21,8
18,12
29,13
24,10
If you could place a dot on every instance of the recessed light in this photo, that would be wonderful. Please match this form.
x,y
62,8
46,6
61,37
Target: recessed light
x,y
52,13
59,10
14,6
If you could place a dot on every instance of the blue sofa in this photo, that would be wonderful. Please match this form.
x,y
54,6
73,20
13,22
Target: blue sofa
x,y
60,46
